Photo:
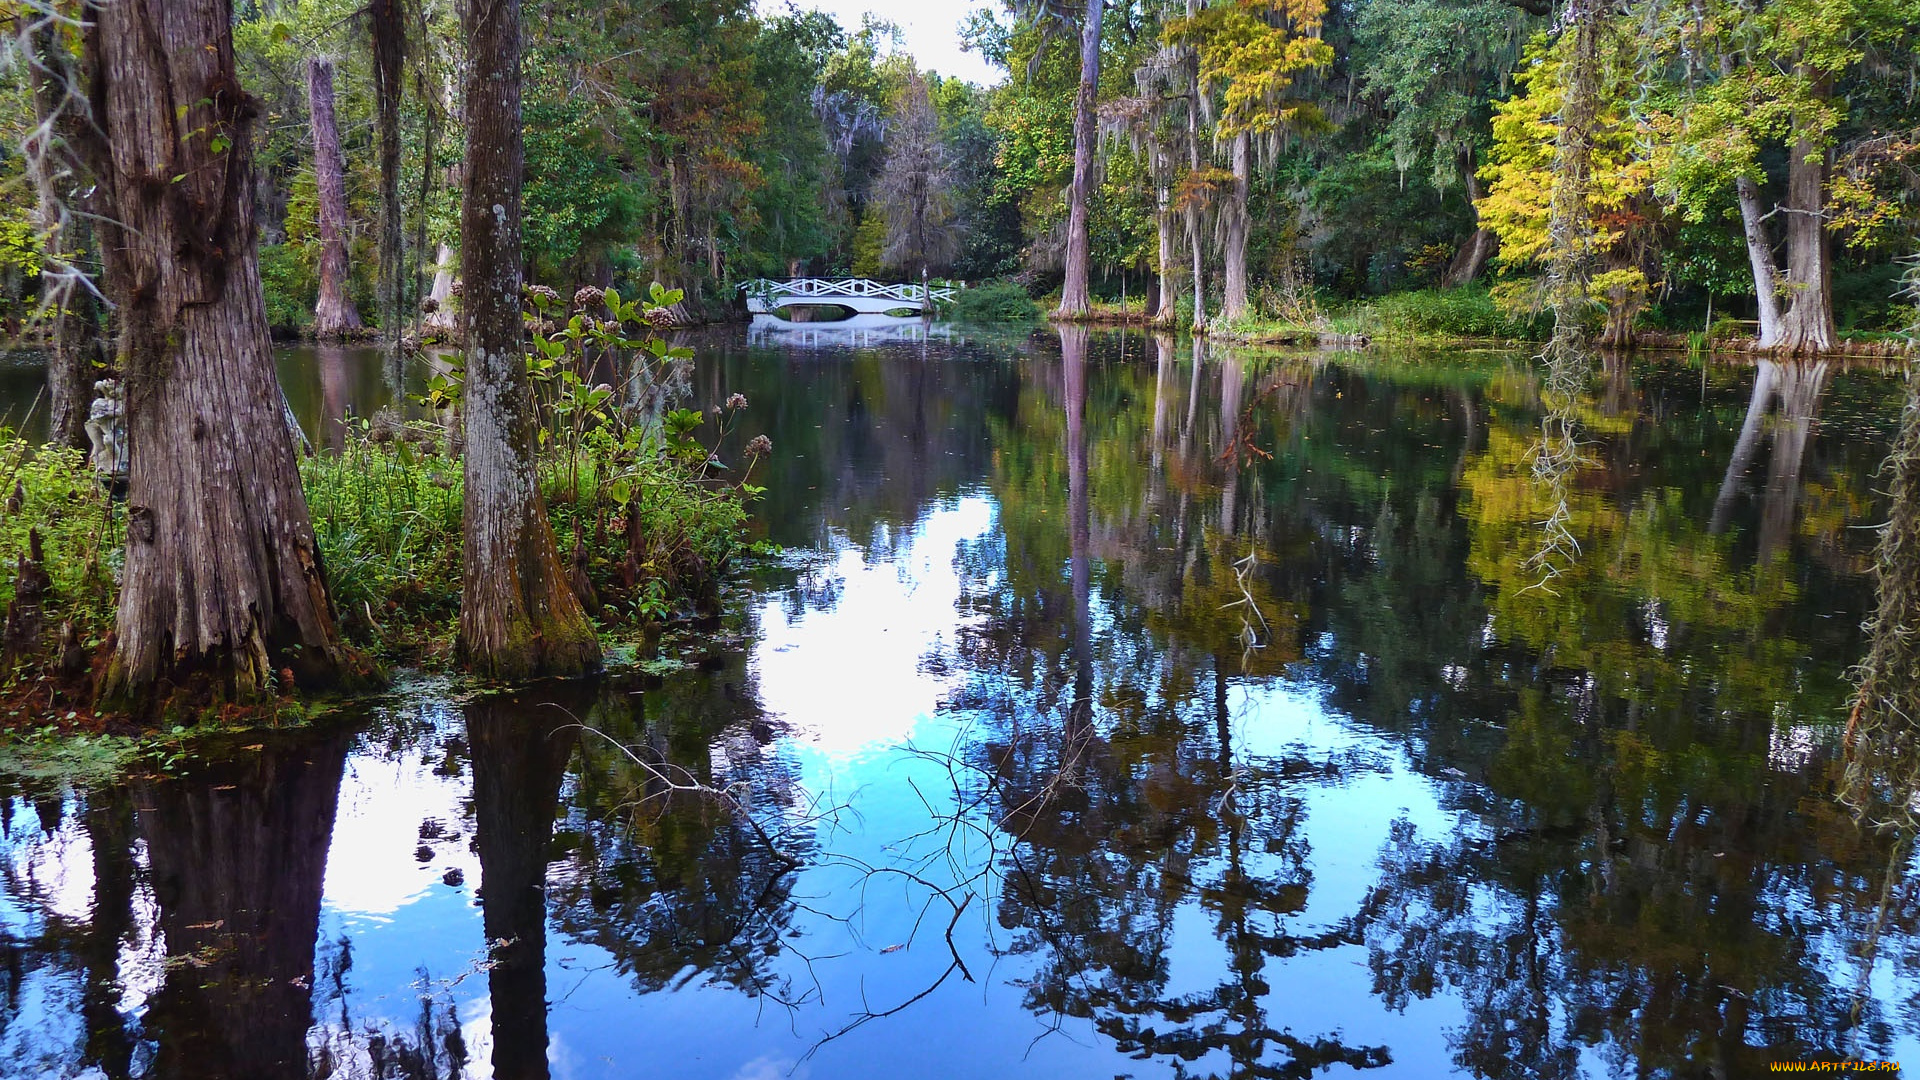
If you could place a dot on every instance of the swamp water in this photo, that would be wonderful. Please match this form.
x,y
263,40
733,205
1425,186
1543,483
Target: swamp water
x,y
1119,708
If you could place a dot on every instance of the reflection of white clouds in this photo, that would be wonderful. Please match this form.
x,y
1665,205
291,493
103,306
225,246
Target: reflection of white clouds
x,y
848,678
49,872
371,868
771,1068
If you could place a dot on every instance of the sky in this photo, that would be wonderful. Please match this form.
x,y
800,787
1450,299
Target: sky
x,y
931,28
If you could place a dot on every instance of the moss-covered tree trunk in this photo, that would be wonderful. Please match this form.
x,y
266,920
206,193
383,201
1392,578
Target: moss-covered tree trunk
x,y
334,313
222,586
518,618
1073,291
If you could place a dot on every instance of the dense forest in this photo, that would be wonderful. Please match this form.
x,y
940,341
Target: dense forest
x,y
1271,159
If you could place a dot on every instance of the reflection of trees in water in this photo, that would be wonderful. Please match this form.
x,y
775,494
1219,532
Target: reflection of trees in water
x,y
1110,764
238,852
1654,878
1794,388
663,879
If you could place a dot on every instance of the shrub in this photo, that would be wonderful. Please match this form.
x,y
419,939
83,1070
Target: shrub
x,y
995,301
1469,312
53,489
290,286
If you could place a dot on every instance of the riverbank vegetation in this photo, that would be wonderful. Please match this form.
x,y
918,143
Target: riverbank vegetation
x,y
1294,165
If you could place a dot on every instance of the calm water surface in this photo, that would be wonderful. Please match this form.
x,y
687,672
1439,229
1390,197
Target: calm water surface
x,y
1118,709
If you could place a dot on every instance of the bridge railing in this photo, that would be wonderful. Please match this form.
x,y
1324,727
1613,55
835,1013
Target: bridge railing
x,y
768,291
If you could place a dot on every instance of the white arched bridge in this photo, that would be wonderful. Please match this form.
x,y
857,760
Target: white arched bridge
x,y
855,294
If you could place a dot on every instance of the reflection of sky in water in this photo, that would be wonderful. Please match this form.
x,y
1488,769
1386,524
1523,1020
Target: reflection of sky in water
x,y
866,663
846,681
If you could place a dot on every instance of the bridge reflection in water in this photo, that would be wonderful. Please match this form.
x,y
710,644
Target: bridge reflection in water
x,y
857,295
860,330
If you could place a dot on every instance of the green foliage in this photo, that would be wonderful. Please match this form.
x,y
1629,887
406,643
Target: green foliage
x,y
386,513
1470,312
292,288
995,301
53,490
578,199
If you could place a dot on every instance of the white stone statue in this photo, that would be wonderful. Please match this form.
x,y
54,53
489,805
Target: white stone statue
x,y
107,430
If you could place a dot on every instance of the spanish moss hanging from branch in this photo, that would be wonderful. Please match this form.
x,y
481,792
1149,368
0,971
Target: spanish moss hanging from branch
x,y
1883,730
1567,359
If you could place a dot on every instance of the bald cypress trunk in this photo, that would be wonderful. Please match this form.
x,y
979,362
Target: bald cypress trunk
x,y
1807,327
518,618
1166,297
1233,298
334,314
1766,282
1073,291
389,34
223,585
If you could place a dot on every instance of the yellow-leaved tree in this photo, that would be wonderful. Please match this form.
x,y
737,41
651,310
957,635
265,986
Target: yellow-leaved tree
x,y
1249,53
1519,178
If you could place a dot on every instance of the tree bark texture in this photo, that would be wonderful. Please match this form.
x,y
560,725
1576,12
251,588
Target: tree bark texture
x,y
387,26
518,618
1233,299
1766,283
1480,248
223,584
61,187
1807,327
1193,168
1073,291
334,314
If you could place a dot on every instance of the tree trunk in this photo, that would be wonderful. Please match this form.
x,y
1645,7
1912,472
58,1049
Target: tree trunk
x,y
1193,169
61,188
441,321
1166,293
1766,284
1479,249
1233,299
387,27
222,585
1807,327
1073,292
334,314
518,618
